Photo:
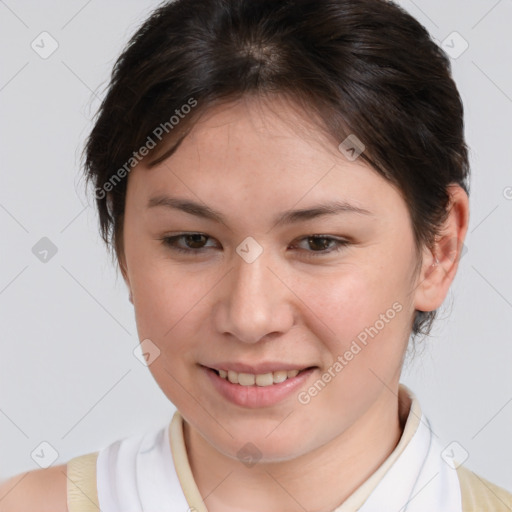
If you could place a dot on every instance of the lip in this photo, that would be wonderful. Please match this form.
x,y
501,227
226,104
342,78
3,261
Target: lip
x,y
254,397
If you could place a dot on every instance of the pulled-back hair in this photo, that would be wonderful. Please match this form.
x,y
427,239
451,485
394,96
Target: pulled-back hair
x,y
363,67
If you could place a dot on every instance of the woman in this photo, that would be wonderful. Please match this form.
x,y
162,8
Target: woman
x,y
285,187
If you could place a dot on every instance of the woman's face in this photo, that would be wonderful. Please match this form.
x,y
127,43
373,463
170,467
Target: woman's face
x,y
255,295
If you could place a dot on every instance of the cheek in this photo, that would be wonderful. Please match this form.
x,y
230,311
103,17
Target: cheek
x,y
359,314
361,321
161,291
351,300
165,303
172,303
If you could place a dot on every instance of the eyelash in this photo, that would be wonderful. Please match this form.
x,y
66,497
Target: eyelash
x,y
169,242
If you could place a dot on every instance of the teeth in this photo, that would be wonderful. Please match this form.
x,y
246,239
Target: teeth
x,y
263,379
246,379
280,376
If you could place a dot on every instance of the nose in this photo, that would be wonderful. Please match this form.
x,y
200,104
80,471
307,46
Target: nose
x,y
254,302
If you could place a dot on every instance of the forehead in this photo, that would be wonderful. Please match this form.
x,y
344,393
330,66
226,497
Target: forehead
x,y
259,155
269,127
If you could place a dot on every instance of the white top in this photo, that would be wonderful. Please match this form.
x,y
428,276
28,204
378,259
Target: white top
x,y
143,473
137,474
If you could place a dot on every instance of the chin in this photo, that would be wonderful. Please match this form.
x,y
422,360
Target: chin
x,y
258,447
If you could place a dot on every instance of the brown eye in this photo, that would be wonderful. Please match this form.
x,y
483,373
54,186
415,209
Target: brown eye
x,y
191,242
195,241
319,245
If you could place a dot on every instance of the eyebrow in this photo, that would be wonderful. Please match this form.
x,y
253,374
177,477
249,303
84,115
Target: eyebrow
x,y
286,217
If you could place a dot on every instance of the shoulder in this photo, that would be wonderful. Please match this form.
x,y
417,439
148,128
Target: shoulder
x,y
479,494
41,490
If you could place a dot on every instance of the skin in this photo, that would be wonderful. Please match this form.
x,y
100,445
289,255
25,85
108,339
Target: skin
x,y
43,490
251,160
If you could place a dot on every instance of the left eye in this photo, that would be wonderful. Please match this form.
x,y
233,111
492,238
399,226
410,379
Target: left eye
x,y
323,242
195,243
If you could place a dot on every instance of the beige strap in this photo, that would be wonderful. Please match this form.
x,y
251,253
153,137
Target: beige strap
x,y
480,495
181,463
82,491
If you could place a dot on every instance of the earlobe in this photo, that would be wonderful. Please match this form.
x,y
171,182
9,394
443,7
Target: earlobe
x,y
440,263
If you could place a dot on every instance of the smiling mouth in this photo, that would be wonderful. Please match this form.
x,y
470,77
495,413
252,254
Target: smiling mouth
x,y
262,379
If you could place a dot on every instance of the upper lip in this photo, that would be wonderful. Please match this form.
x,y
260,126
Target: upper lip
x,y
256,369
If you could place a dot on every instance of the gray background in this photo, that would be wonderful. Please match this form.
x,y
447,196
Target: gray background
x,y
68,375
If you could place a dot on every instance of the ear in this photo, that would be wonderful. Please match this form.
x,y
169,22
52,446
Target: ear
x,y
440,263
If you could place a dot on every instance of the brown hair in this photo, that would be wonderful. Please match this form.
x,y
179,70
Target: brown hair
x,y
363,67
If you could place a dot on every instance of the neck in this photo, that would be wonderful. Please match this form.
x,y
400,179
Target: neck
x,y
334,470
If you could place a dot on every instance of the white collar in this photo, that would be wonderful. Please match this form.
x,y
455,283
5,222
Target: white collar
x,y
414,478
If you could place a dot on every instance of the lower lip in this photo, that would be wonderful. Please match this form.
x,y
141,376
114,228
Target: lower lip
x,y
257,396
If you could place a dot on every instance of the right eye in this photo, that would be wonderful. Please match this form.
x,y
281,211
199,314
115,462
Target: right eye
x,y
194,242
